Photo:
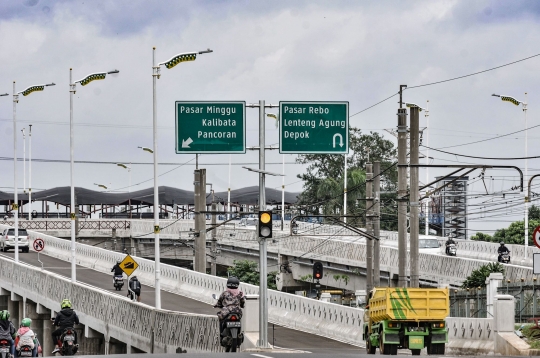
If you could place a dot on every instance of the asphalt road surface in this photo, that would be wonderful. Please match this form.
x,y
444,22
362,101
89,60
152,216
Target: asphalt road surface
x,y
277,335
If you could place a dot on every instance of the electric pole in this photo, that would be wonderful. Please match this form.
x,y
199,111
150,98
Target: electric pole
x,y
402,191
414,196
369,226
199,258
377,224
213,268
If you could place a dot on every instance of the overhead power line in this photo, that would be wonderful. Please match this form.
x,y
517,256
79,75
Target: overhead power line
x,y
475,157
447,80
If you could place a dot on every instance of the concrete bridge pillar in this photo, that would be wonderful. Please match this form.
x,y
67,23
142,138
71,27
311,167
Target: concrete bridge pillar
x,y
13,308
3,303
39,321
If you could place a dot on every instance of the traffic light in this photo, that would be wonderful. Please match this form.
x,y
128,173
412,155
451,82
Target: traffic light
x,y
317,270
265,224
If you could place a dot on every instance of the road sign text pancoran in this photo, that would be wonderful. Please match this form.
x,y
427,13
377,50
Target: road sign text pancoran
x,y
210,127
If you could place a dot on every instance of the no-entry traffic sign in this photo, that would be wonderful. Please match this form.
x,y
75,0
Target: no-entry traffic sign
x,y
39,245
536,236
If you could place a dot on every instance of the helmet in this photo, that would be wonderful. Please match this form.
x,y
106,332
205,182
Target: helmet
x,y
134,278
233,282
26,322
502,243
4,315
65,303
118,262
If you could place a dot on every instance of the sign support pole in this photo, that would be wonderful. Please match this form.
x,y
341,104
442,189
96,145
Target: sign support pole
x,y
263,299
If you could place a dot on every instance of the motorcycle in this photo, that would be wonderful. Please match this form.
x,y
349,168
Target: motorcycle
x,y
5,349
504,257
67,342
118,283
231,331
451,250
25,351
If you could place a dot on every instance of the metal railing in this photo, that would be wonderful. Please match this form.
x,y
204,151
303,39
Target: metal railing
x,y
66,224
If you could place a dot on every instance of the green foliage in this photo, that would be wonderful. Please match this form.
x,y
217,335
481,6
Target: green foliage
x,y
248,272
478,277
323,179
307,278
532,333
482,237
515,233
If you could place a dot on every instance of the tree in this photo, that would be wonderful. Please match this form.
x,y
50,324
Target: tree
x,y
513,234
478,277
247,272
323,180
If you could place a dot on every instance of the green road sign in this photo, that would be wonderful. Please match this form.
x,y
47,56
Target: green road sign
x,y
210,127
314,127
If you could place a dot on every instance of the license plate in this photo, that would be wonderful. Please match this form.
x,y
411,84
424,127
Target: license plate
x,y
26,354
69,338
233,324
4,350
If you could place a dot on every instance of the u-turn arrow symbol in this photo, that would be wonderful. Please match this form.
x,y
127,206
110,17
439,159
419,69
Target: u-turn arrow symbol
x,y
340,140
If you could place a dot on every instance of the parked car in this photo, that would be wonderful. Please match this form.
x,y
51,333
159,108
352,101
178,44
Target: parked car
x,y
7,240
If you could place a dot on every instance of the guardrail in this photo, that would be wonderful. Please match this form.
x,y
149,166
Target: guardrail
x,y
436,268
114,315
296,312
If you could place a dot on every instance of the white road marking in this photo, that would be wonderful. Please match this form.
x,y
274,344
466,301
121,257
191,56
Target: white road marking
x,y
260,355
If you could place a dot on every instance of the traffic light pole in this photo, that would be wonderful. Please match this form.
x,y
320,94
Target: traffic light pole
x,y
263,293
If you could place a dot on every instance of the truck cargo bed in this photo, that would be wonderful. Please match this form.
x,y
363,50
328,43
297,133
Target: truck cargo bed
x,y
414,304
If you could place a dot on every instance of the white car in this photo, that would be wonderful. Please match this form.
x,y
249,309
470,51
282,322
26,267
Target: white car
x,y
250,223
429,246
7,240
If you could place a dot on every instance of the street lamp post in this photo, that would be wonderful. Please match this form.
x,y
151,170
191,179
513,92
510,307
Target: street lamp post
x,y
24,160
29,172
25,93
524,108
72,89
156,74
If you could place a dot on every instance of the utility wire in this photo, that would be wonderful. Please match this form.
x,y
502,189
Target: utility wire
x,y
488,139
474,157
448,80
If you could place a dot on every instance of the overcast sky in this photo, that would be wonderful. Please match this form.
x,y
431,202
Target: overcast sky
x,y
280,50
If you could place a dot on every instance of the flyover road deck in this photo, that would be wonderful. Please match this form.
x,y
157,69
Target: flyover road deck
x,y
281,336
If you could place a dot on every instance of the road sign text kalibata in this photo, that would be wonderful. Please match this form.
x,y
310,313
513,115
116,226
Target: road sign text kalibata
x,y
210,127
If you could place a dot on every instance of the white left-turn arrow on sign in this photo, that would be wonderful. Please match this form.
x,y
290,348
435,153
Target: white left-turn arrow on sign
x,y
187,142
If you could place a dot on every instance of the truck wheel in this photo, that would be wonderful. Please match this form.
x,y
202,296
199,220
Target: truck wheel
x,y
439,348
369,348
415,352
384,350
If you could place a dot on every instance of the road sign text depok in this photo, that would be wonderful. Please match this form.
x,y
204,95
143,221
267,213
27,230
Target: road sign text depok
x,y
314,127
210,127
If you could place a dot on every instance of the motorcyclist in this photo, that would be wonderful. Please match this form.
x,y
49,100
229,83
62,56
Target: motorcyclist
x,y
66,318
7,330
230,301
134,288
448,242
117,270
26,337
502,250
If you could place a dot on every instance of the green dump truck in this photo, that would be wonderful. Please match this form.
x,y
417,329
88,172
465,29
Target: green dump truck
x,y
409,318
